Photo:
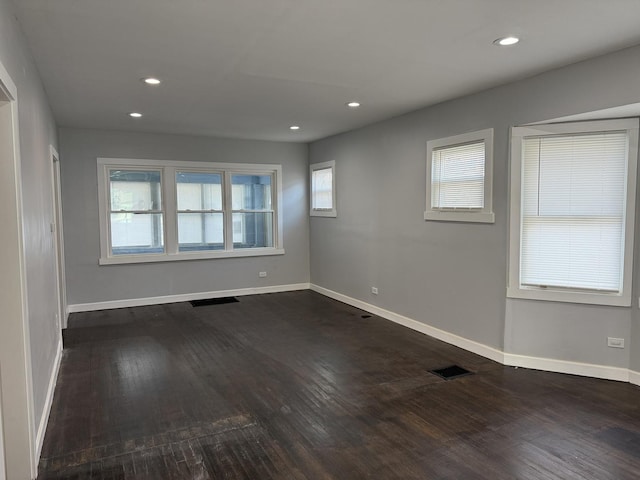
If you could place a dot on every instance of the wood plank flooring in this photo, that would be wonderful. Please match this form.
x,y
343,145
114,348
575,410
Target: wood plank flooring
x,y
298,386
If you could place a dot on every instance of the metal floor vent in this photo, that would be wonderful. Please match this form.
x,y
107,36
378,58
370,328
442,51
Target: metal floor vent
x,y
452,372
213,301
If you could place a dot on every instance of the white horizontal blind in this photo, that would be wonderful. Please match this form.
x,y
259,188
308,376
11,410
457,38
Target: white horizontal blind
x,y
573,210
457,176
322,186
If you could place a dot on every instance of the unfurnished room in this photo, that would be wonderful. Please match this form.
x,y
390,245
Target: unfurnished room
x,y
319,240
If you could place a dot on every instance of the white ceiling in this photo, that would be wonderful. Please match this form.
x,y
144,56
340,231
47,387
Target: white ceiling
x,y
252,68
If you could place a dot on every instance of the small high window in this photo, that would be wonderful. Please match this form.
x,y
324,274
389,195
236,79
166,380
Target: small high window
x,y
323,189
459,173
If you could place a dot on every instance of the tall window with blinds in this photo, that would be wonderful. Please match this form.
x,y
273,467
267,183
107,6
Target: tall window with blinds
x,y
575,221
459,178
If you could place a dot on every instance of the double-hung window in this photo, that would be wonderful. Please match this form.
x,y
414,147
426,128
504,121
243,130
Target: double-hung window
x,y
459,178
323,189
252,210
572,211
199,208
136,212
162,210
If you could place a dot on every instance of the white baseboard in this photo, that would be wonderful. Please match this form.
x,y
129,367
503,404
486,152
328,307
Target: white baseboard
x,y
535,363
573,368
44,418
469,345
184,297
524,361
634,377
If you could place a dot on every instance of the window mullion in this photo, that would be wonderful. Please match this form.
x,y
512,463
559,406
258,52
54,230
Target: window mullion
x,y
170,210
228,215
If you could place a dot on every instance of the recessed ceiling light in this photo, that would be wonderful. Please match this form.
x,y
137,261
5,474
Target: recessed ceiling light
x,y
506,41
294,127
353,104
151,81
135,114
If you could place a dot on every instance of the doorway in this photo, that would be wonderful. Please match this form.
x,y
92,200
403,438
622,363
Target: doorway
x,y
16,401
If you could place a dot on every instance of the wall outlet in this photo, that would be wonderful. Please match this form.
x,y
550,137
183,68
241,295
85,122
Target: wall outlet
x,y
262,274
615,342
374,290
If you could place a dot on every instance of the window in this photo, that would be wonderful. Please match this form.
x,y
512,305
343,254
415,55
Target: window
x,y
200,213
459,174
161,210
135,212
572,211
252,213
323,189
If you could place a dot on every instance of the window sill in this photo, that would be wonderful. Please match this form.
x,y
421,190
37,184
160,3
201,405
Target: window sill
x,y
550,295
460,216
323,213
178,257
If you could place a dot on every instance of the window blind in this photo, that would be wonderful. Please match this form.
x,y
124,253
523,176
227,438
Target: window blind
x,y
322,184
457,176
573,211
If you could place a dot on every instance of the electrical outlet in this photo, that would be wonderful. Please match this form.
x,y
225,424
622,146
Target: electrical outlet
x,y
374,290
615,342
262,274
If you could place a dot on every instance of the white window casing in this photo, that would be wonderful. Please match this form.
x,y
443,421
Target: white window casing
x,y
195,217
322,181
459,178
573,211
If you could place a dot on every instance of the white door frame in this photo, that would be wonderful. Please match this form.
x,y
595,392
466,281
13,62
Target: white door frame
x,y
16,389
58,238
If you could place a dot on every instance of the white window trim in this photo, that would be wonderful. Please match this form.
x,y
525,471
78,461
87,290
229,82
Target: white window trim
x,y
323,212
514,289
169,188
480,215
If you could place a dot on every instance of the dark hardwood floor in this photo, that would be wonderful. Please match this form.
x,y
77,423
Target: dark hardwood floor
x,y
298,386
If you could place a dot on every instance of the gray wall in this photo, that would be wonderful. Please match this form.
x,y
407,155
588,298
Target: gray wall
x,y
37,131
87,282
453,275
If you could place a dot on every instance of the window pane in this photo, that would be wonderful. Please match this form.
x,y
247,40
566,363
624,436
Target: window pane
x,y
133,233
322,188
252,230
578,175
457,176
573,204
135,190
200,231
578,253
199,191
251,192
